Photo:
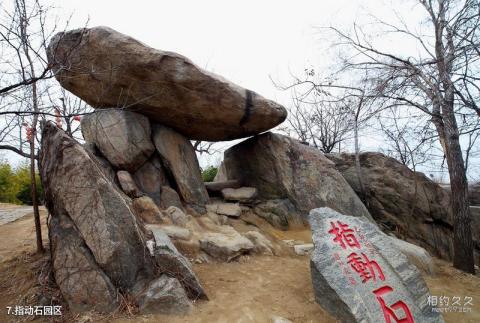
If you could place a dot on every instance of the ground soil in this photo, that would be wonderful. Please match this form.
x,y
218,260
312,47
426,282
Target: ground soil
x,y
253,289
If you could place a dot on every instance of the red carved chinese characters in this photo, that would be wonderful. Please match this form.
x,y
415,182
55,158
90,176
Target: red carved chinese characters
x,y
365,267
367,270
343,235
389,312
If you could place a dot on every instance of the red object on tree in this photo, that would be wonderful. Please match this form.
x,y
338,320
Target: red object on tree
x,y
365,267
389,312
77,118
343,235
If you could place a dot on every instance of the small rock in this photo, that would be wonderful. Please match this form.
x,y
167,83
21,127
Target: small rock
x,y
164,295
169,197
178,217
145,208
175,232
417,255
172,262
303,249
242,194
279,319
128,184
229,209
225,246
261,244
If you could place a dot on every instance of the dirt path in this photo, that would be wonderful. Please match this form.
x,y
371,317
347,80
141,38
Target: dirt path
x,y
12,212
251,290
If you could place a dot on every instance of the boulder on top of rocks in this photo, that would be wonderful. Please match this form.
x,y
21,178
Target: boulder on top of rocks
x,y
179,158
242,194
123,137
215,188
281,167
402,201
261,244
359,275
108,69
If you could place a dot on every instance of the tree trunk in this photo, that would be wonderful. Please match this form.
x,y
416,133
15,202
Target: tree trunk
x,y
463,257
36,212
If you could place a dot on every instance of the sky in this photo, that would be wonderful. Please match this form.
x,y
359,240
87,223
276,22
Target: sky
x,y
248,42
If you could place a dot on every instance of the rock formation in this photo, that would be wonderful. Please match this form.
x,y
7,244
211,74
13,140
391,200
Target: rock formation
x,y
401,201
359,275
282,168
99,243
108,70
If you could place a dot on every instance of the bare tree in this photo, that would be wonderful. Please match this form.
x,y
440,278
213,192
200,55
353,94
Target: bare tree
x,y
24,86
441,80
318,123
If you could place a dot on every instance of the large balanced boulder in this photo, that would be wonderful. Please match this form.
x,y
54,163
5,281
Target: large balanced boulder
x,y
108,69
281,167
402,201
359,275
179,158
122,137
99,245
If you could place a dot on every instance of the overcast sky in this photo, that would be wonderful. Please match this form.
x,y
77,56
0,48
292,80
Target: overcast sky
x,y
248,42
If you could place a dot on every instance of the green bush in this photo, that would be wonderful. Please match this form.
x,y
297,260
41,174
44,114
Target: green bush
x,y
15,184
209,173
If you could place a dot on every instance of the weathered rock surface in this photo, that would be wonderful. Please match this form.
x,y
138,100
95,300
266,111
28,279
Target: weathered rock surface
x,y
99,247
150,177
359,275
176,232
82,282
303,249
101,162
281,167
179,158
169,197
217,187
177,216
418,256
108,69
279,213
228,209
76,186
242,194
401,201
164,295
127,184
172,263
261,244
221,175
145,208
225,246
122,137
